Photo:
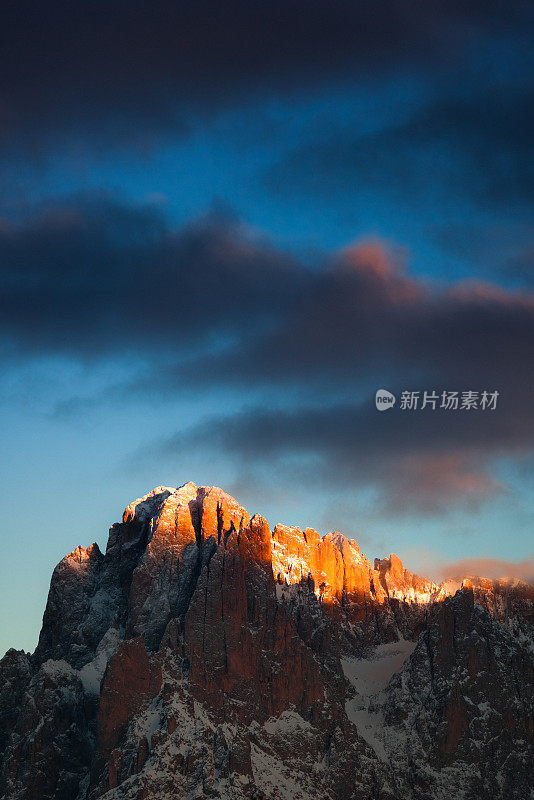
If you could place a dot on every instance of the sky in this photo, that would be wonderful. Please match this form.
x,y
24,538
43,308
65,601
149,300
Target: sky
x,y
224,227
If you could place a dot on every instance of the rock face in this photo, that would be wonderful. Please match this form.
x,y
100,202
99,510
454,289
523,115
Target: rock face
x,y
205,656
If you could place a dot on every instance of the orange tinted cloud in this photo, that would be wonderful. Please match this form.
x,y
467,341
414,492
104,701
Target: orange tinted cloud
x,y
428,480
489,568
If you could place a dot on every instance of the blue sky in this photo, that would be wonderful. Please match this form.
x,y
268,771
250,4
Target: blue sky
x,y
216,243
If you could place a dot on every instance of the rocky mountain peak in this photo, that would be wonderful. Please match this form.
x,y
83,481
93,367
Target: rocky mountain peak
x,y
147,506
205,655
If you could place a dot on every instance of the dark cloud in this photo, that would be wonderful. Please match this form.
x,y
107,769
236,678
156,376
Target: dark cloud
x,y
520,267
214,306
93,276
91,69
363,319
424,461
502,248
364,323
474,143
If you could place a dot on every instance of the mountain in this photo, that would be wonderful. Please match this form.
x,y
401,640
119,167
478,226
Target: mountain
x,y
205,656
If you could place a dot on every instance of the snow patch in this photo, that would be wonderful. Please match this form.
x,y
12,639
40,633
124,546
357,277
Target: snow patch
x,y
289,722
276,780
92,673
370,676
57,669
149,722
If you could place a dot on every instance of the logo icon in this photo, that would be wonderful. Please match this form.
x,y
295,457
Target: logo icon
x,y
384,400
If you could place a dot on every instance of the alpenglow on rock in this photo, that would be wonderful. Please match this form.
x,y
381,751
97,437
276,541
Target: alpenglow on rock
x,y
204,655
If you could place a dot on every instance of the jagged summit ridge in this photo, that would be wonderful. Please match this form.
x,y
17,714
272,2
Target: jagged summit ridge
x,y
332,562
